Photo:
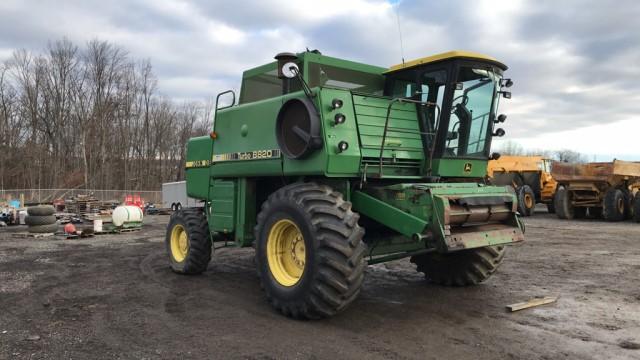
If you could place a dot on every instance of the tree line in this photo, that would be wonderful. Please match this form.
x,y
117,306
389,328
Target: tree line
x,y
564,155
90,117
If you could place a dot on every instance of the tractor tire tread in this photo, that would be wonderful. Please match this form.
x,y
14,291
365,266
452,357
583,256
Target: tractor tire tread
x,y
40,220
339,254
199,254
463,268
41,210
42,229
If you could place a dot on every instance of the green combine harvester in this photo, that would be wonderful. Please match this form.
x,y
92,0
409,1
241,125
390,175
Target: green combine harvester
x,y
326,165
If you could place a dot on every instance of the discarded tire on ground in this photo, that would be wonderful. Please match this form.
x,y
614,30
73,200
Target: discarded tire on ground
x,y
41,210
41,229
40,220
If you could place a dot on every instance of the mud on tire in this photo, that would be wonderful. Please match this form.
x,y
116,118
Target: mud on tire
x,y
460,268
198,255
334,263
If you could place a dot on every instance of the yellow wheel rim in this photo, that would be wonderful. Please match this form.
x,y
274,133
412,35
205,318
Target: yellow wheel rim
x,y
179,243
286,253
528,201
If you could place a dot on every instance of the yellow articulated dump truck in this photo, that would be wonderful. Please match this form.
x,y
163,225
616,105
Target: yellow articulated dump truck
x,y
530,177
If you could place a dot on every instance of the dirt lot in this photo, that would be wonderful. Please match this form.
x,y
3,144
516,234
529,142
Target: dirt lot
x,y
114,297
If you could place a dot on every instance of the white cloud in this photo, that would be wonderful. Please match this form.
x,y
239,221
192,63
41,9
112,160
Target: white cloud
x,y
575,63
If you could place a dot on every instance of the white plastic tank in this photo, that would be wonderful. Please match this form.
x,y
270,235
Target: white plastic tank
x,y
124,214
22,215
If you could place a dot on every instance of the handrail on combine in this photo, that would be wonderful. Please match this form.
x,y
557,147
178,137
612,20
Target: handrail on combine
x,y
386,126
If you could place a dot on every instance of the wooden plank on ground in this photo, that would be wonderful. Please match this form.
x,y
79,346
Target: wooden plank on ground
x,y
532,303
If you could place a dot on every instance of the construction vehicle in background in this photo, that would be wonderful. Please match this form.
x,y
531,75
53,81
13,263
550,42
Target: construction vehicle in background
x,y
606,190
530,177
320,149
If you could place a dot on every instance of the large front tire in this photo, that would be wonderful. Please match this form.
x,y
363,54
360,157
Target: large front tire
x,y
309,251
460,268
188,241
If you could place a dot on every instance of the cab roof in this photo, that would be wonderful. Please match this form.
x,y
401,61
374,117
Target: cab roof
x,y
455,54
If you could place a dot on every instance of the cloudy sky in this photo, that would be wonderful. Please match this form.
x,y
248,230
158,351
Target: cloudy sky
x,y
576,64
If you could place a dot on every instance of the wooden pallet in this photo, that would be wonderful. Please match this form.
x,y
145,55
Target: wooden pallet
x,y
32,235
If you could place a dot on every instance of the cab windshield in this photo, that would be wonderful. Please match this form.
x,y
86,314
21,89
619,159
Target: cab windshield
x,y
472,109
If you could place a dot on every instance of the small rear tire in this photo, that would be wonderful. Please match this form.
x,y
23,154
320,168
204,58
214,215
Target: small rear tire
x,y
460,268
614,205
188,242
526,200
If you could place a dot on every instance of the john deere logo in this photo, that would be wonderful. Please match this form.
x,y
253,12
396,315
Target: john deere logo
x,y
467,167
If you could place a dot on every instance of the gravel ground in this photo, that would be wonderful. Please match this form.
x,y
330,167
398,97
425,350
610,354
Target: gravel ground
x,y
113,296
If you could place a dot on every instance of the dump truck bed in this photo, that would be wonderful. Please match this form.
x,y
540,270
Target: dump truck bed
x,y
609,172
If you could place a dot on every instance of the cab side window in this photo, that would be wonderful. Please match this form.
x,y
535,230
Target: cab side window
x,y
260,87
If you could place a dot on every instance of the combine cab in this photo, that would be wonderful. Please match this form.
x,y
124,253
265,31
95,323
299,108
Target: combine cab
x,y
326,165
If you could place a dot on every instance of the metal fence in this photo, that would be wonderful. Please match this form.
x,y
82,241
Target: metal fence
x,y
48,195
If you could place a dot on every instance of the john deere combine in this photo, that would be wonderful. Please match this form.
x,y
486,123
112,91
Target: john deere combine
x,y
327,165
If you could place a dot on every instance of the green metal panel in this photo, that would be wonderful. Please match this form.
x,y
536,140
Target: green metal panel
x,y
245,212
403,144
346,163
244,129
472,168
197,166
394,218
223,206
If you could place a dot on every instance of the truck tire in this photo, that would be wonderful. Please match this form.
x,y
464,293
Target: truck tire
x,y
526,200
188,241
309,251
41,210
42,229
460,268
614,205
40,220
636,207
564,209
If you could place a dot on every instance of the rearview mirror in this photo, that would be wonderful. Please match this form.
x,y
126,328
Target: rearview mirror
x,y
506,83
499,132
501,118
506,94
